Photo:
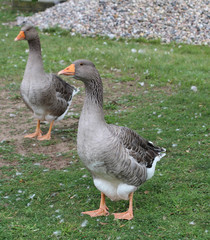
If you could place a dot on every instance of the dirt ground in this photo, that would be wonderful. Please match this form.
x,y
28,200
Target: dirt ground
x,y
16,120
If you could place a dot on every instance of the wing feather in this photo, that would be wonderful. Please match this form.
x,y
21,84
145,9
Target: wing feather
x,y
63,89
142,150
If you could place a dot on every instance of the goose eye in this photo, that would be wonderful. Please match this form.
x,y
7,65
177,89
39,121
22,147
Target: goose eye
x,y
81,64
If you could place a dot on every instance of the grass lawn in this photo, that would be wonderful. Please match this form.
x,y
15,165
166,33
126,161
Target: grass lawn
x,y
147,87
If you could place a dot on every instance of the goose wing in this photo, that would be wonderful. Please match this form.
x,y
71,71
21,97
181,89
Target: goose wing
x,y
58,96
63,89
142,150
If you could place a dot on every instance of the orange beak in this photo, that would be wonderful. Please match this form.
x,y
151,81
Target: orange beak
x,y
20,36
69,71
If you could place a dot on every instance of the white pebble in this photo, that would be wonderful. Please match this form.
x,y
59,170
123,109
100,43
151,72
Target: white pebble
x,y
56,233
36,164
111,36
61,62
159,131
32,196
141,83
194,89
84,223
192,223
141,51
133,50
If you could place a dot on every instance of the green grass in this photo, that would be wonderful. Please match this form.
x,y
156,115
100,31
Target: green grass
x,y
37,202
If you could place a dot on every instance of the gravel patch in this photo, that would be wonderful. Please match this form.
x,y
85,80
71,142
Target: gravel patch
x,y
169,20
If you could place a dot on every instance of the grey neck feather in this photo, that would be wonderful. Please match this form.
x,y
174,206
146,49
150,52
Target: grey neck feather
x,y
35,62
93,105
94,91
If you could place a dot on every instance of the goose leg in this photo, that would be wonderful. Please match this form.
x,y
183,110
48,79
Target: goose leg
x,y
102,211
37,133
48,135
128,215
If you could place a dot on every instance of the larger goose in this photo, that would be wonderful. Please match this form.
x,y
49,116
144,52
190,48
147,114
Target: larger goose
x,y
46,95
117,157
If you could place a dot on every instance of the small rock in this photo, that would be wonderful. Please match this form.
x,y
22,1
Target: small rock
x,y
192,223
133,50
57,233
84,223
141,83
179,21
194,89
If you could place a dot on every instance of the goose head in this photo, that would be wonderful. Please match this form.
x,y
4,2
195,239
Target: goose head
x,y
83,70
27,32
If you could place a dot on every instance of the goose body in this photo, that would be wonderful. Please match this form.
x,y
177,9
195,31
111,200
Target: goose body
x,y
113,163
46,95
43,100
118,158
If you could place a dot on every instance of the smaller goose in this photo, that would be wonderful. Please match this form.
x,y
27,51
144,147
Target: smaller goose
x,y
46,95
117,157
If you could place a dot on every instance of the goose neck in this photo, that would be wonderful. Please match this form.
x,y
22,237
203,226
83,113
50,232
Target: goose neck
x,y
94,93
35,45
35,56
93,105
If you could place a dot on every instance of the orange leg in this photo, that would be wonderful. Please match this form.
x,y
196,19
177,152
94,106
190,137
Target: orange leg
x,y
37,133
128,215
102,211
48,135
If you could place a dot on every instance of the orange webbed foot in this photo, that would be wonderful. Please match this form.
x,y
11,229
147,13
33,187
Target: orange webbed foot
x,y
48,135
125,215
44,137
98,212
33,135
37,133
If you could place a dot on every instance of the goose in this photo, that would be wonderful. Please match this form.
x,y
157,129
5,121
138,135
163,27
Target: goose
x,y
46,95
117,157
